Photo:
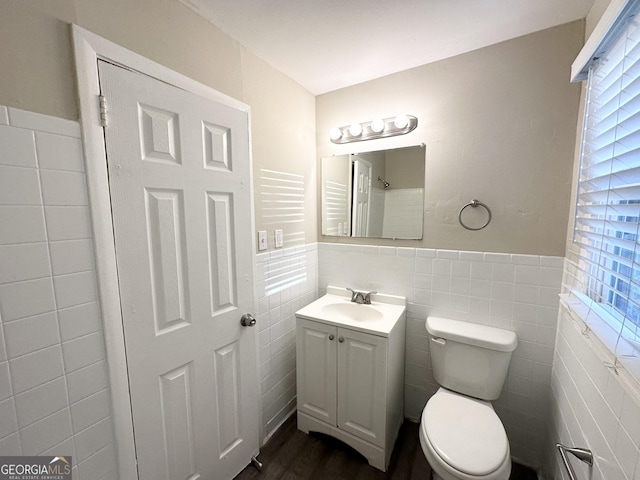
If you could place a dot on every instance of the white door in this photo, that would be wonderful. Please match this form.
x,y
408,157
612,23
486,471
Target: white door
x,y
361,197
316,369
362,360
179,177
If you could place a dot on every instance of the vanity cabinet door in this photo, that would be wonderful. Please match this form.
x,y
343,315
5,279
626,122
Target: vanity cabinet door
x,y
316,369
362,373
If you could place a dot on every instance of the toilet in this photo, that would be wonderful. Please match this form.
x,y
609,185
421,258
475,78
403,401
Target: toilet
x,y
460,433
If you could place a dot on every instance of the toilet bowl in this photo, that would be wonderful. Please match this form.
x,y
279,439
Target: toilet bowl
x,y
460,432
463,438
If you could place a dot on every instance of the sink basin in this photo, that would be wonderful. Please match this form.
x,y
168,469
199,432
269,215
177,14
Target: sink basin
x,y
335,308
353,311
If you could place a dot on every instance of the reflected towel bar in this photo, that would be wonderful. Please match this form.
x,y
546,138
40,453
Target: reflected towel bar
x,y
581,453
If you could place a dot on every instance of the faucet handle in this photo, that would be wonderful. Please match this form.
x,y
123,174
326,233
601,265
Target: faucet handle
x,y
367,297
353,294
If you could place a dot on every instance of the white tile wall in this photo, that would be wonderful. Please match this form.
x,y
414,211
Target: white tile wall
x,y
54,396
403,213
592,408
516,292
286,280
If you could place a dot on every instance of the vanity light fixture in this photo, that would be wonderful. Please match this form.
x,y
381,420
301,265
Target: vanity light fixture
x,y
379,128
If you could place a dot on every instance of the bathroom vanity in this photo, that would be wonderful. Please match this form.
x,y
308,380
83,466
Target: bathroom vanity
x,y
350,371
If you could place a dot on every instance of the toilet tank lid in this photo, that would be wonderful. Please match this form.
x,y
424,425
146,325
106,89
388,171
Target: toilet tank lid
x,y
472,334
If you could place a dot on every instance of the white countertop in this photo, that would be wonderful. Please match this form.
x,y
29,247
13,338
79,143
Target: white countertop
x,y
336,308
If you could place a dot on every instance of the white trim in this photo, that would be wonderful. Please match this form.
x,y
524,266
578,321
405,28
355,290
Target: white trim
x,y
88,48
593,45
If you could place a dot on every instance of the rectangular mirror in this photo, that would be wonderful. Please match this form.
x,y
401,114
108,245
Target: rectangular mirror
x,y
374,194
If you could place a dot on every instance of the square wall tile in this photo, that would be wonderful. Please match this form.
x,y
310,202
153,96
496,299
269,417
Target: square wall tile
x,y
24,299
46,433
83,351
41,401
10,446
36,368
31,334
94,439
64,188
87,381
59,152
72,256
79,320
22,224
18,147
68,223
75,289
90,410
19,186
24,262
527,275
99,465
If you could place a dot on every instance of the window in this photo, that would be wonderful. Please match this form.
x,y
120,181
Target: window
x,y
608,200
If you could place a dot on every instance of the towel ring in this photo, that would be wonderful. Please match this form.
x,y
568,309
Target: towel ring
x,y
474,203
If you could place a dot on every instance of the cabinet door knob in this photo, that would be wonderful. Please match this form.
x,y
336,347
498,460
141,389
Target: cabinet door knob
x,y
341,339
331,337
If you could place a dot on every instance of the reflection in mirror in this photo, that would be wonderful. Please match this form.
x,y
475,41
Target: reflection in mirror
x,y
374,194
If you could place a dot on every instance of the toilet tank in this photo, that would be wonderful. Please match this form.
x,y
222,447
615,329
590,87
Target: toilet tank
x,y
468,358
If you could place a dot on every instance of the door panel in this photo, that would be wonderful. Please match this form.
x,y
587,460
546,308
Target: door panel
x,y
165,224
221,261
361,197
177,419
181,213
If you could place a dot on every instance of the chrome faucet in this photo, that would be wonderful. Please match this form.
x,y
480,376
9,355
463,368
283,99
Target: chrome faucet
x,y
361,297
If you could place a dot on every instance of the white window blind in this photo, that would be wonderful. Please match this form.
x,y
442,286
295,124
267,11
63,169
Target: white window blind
x,y
608,208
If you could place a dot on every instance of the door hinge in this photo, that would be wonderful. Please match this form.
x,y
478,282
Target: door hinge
x,y
103,110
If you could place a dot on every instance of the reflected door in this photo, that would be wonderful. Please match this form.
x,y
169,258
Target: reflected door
x,y
180,190
361,197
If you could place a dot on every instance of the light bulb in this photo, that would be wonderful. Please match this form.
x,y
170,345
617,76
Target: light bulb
x,y
355,129
401,121
377,125
335,133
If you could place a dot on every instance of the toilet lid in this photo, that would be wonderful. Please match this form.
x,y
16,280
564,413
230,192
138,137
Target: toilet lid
x,y
466,433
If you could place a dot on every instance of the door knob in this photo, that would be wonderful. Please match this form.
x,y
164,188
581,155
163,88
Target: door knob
x,y
247,320
331,337
341,339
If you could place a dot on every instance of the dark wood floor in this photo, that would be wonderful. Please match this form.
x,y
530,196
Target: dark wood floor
x,y
291,454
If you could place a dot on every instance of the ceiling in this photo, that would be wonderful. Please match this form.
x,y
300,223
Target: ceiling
x,y
325,45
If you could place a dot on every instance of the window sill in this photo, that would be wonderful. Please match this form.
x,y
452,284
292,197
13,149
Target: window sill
x,y
620,354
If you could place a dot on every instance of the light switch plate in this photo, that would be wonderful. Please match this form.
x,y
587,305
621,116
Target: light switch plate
x,y
262,240
278,234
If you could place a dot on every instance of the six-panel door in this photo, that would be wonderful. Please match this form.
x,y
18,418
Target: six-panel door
x,y
179,178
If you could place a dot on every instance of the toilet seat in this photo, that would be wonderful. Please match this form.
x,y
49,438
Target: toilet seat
x,y
465,436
